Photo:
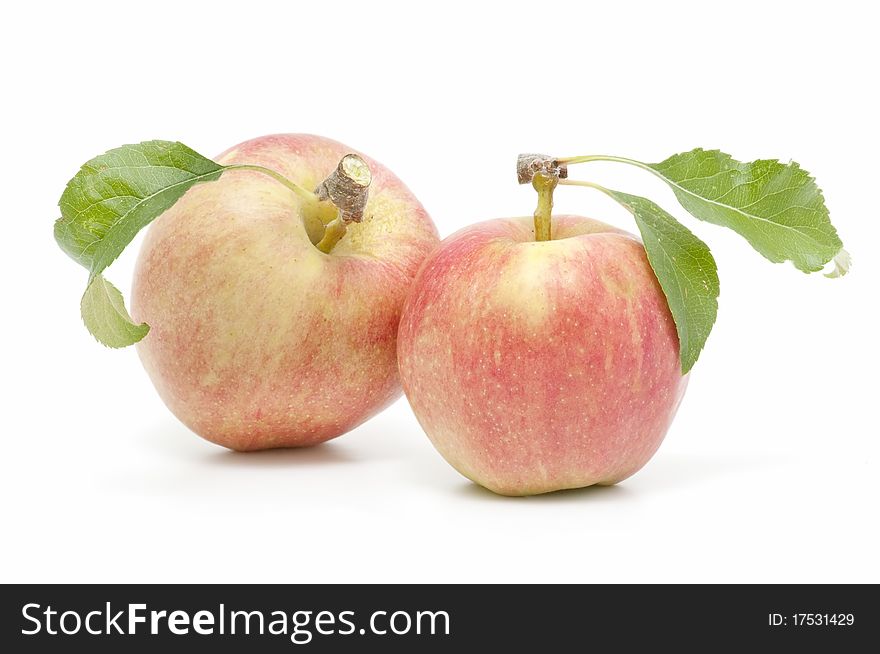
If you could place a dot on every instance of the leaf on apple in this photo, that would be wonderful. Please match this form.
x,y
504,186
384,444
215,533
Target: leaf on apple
x,y
103,312
118,193
106,204
686,270
776,207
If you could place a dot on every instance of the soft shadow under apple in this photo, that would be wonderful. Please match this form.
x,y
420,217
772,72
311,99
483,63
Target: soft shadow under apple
x,y
171,439
615,493
323,454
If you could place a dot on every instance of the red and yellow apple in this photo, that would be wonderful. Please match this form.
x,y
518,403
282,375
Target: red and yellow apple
x,y
258,339
540,366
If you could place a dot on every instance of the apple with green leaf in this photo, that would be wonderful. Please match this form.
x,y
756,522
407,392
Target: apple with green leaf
x,y
266,302
550,353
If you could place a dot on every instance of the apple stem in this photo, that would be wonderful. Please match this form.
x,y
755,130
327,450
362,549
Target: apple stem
x,y
333,233
544,184
347,188
544,172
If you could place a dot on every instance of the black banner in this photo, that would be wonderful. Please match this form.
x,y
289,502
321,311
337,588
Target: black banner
x,y
436,618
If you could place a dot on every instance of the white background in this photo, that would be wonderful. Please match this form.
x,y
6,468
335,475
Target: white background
x,y
771,471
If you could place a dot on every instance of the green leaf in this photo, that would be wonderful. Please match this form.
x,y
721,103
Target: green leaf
x,y
776,207
106,204
118,193
103,312
686,270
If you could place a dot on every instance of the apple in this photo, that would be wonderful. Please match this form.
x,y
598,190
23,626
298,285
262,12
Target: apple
x,y
259,339
536,366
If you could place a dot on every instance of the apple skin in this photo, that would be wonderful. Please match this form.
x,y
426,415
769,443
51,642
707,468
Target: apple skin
x,y
258,339
540,366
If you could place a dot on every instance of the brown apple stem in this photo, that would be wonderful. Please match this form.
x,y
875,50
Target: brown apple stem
x,y
544,173
347,188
